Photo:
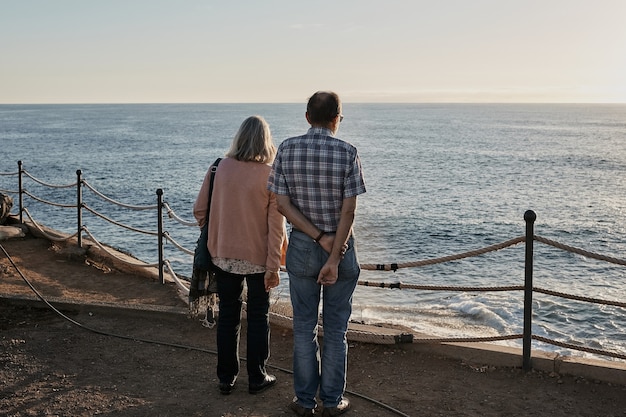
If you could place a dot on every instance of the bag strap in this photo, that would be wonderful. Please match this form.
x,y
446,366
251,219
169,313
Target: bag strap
x,y
213,169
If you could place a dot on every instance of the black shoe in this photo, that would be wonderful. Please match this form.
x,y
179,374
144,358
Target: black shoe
x,y
227,387
265,384
302,411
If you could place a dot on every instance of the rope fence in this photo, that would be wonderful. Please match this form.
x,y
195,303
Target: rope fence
x,y
396,266
50,203
112,254
45,184
165,265
9,174
172,215
177,245
117,203
44,233
125,226
581,251
399,285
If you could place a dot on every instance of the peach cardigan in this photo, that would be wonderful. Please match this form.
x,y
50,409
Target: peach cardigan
x,y
244,220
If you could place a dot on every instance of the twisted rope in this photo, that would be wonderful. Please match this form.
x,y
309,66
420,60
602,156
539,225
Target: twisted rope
x,y
579,348
382,338
9,191
110,200
49,202
48,184
467,339
395,266
172,215
580,251
111,254
134,229
8,173
580,298
184,288
400,285
47,235
176,244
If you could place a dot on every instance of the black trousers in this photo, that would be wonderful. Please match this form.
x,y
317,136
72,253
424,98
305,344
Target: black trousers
x,y
230,291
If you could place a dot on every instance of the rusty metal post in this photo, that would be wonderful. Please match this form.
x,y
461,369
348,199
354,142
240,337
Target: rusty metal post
x,y
159,193
21,191
530,218
79,206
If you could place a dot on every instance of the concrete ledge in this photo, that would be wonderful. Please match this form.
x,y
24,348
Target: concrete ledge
x,y
506,356
77,305
114,257
10,232
483,353
608,371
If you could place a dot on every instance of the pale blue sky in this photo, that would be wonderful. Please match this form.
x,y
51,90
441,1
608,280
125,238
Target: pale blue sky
x,y
120,51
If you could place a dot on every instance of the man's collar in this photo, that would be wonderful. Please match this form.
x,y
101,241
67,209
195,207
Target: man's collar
x,y
320,131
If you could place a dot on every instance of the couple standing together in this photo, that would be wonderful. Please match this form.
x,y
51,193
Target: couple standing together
x,y
313,181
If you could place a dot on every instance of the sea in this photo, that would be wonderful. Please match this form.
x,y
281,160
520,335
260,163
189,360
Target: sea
x,y
442,179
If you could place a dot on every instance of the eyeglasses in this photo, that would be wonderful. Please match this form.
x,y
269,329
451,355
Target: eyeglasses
x,y
340,118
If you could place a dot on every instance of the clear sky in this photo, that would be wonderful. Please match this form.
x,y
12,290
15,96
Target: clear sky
x,y
207,51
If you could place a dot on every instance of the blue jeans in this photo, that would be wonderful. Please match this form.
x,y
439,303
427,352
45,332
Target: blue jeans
x,y
230,291
305,258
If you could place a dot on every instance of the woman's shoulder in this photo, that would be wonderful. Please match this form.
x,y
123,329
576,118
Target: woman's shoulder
x,y
246,167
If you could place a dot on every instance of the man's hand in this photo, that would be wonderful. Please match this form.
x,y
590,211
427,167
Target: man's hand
x,y
329,273
328,240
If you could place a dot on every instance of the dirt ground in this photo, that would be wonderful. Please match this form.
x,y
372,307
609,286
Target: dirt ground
x,y
145,361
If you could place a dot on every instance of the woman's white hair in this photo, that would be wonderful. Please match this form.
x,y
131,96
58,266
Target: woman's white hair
x,y
253,142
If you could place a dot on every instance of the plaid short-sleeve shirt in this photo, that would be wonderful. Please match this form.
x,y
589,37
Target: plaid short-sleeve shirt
x,y
317,171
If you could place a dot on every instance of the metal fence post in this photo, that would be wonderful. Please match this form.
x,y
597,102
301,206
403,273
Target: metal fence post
x,y
530,218
159,193
79,205
21,191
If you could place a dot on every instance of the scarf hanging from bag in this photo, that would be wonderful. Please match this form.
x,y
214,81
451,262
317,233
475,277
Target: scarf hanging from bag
x,y
203,285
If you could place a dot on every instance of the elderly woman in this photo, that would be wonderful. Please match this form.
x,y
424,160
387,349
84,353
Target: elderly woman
x,y
246,233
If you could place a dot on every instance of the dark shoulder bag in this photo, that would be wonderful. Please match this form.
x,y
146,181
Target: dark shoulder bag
x,y
203,283
201,256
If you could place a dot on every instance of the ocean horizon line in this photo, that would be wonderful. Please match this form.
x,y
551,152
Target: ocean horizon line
x,y
487,103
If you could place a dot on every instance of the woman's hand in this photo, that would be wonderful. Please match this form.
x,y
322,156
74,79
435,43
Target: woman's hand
x,y
271,280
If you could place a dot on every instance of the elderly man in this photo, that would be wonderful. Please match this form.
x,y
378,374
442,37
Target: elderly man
x,y
317,178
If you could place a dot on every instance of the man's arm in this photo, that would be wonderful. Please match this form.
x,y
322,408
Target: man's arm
x,y
331,243
296,218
